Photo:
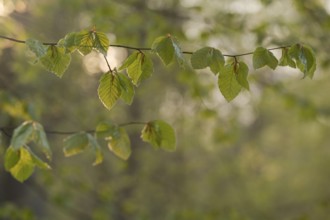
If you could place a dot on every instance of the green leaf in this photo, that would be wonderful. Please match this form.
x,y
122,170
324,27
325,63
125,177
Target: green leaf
x,y
24,167
286,60
163,46
22,135
86,41
105,129
75,144
139,66
56,60
69,42
109,90
241,72
38,162
119,143
177,51
127,89
41,139
207,57
305,59
36,47
160,135
227,82
11,158
96,148
263,57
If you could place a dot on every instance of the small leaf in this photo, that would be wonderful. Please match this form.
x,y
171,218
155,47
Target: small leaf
x,y
38,162
207,57
127,89
305,59
286,60
36,47
22,135
177,51
96,148
11,158
101,42
242,71
109,90
163,46
119,143
56,60
88,40
69,42
227,82
263,57
75,144
160,135
105,129
41,139
24,168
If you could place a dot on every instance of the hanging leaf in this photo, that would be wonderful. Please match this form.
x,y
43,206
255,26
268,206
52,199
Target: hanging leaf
x,y
263,57
88,40
37,161
166,48
11,158
127,89
105,129
75,144
139,67
119,143
36,47
305,59
207,57
241,71
69,42
109,90
227,82
22,135
96,148
41,139
286,59
160,135
56,60
24,167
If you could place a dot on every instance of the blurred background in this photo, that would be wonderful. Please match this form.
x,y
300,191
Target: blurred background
x,y
266,155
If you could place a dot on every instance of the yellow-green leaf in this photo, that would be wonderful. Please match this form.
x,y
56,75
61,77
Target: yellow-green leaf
x,y
263,57
207,57
75,144
109,89
227,82
22,135
56,60
241,71
127,89
96,148
24,167
119,143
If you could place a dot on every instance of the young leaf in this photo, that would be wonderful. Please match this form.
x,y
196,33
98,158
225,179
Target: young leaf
x,y
75,144
24,167
207,57
11,158
286,60
22,135
56,60
127,89
87,40
96,148
139,66
305,59
41,139
105,129
168,47
69,42
36,47
241,72
227,82
101,42
37,161
263,57
119,143
160,135
109,90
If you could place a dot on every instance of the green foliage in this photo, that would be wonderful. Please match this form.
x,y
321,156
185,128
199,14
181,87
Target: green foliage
x,y
160,135
75,144
167,47
207,57
286,59
227,81
139,67
127,89
263,57
109,89
305,59
241,72
36,47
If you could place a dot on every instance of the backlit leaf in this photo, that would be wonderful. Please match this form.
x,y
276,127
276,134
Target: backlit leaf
x,y
109,89
36,47
69,42
88,40
207,57
241,72
22,135
11,158
119,143
160,135
127,89
263,57
37,161
227,82
105,129
75,144
24,167
164,48
96,148
56,60
41,139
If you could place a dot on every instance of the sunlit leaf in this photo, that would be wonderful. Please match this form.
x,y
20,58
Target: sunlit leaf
x,y
36,47
160,135
96,148
105,129
127,89
86,41
263,57
241,72
11,158
75,144
69,42
305,59
56,60
119,143
227,82
207,57
24,167
109,89
22,135
164,48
